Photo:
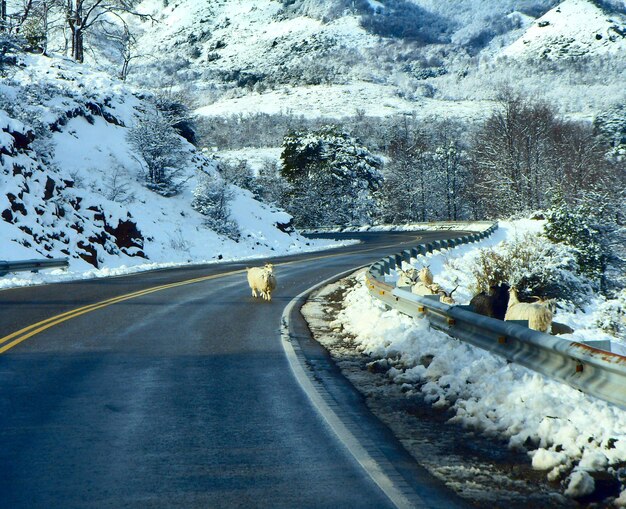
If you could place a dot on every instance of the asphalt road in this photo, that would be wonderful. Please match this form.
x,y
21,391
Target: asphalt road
x,y
150,390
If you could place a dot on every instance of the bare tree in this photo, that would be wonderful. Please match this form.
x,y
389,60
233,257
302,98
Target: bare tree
x,y
124,40
82,15
405,188
3,14
525,152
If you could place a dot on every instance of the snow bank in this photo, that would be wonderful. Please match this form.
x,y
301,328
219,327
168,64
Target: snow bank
x,y
567,433
570,435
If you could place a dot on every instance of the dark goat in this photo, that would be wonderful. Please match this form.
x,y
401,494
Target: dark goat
x,y
493,303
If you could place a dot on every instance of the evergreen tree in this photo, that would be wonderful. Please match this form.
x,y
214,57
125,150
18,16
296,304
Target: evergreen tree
x,y
332,177
572,225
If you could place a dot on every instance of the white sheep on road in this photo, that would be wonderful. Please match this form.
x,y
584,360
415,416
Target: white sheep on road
x,y
262,281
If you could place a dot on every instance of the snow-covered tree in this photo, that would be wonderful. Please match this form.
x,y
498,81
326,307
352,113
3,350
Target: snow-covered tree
x,y
82,16
447,171
405,187
160,149
271,187
330,174
211,198
573,226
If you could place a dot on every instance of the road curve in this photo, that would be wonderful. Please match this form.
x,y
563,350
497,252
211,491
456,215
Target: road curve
x,y
171,388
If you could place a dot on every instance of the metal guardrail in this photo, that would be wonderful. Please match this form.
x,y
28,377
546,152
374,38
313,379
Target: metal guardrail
x,y
435,225
596,372
32,265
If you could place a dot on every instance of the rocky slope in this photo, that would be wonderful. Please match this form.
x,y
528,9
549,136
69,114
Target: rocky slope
x,y
74,185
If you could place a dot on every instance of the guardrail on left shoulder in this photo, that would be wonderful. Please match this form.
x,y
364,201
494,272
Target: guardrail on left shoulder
x,y
597,372
32,265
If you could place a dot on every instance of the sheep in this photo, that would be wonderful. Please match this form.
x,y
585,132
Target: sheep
x,y
262,281
538,315
421,288
407,278
492,303
425,275
444,296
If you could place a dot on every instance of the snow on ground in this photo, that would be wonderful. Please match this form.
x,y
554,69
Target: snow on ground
x,y
47,276
568,434
340,101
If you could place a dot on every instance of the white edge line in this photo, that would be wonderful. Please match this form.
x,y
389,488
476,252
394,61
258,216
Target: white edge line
x,y
368,463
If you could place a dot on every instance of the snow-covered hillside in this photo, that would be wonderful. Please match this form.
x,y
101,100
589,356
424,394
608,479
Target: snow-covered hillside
x,y
574,28
74,185
332,58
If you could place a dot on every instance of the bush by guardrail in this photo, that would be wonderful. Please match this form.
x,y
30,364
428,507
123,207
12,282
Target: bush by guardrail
x,y
591,370
32,265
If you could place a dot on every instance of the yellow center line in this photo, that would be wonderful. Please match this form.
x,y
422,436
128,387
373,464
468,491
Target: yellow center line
x,y
36,328
17,337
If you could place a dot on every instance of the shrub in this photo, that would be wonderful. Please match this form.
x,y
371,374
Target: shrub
x,y
211,199
612,315
534,266
571,225
238,173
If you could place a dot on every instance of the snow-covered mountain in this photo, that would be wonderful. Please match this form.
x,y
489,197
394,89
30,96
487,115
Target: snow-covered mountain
x,y
425,57
74,185
575,28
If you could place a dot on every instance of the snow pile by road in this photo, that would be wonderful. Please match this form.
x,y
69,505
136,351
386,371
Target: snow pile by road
x,y
477,226
573,437
452,267
567,433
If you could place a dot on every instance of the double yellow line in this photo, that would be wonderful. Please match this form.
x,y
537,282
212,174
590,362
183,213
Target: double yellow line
x,y
17,337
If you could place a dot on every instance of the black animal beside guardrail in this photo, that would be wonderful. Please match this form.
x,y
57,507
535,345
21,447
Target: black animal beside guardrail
x,y
32,265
